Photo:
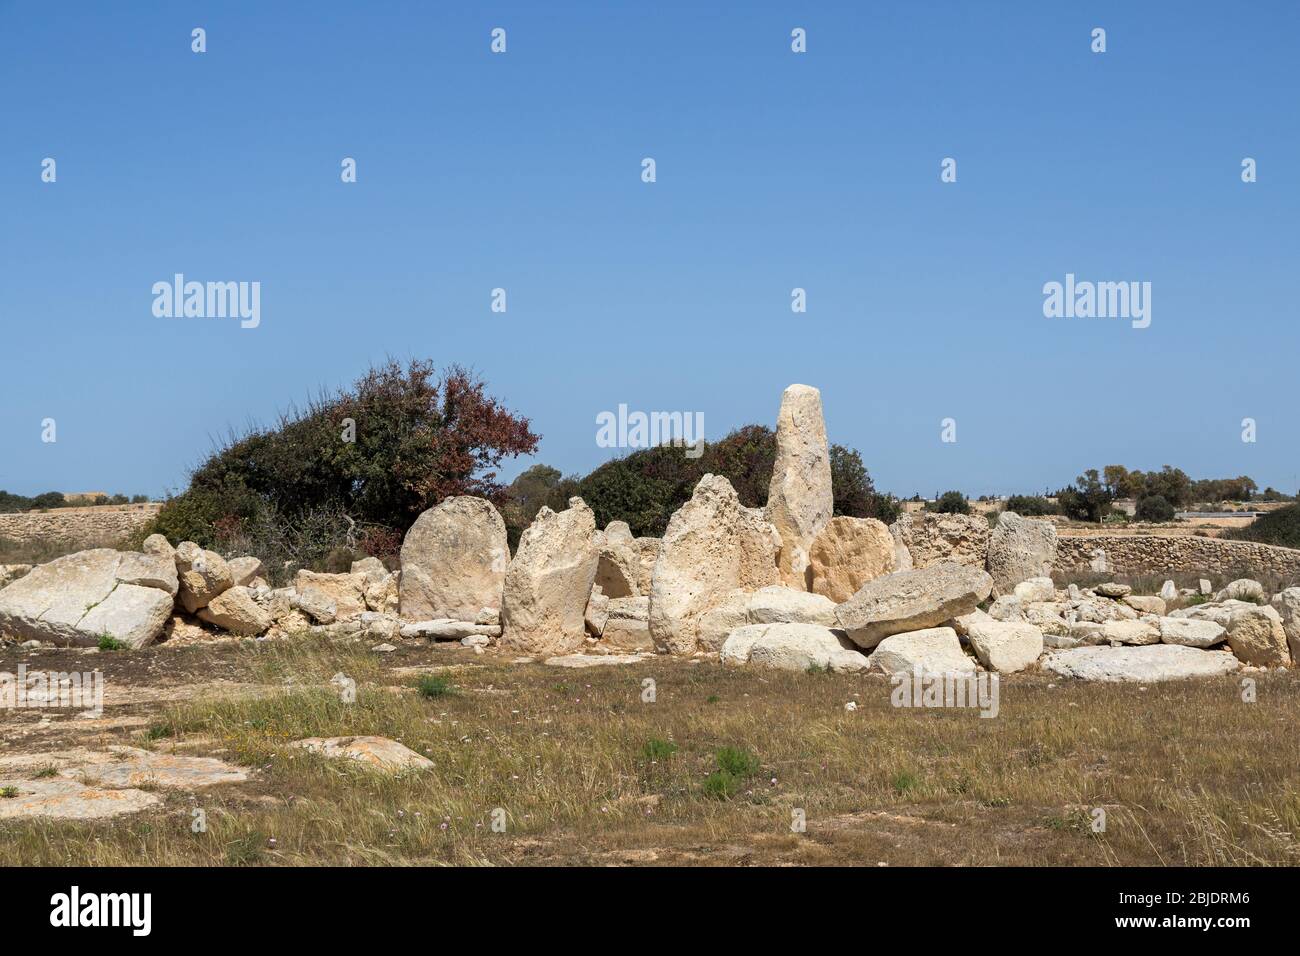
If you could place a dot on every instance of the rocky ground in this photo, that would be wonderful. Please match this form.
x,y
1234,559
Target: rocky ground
x,y
580,767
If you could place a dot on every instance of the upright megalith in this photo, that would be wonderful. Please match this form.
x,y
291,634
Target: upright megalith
x,y
713,545
1020,549
799,499
549,582
453,561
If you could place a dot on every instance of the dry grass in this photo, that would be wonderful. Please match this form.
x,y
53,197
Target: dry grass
x,y
585,772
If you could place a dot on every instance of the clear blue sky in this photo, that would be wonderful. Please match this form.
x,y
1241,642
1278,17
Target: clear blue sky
x,y
775,170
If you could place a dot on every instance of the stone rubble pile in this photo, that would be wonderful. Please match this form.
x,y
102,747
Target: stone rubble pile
x,y
789,586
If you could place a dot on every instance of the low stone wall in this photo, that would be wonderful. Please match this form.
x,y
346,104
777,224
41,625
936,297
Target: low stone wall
x,y
1156,554
102,525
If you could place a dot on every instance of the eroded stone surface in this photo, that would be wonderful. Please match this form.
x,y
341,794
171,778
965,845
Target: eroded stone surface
x,y
375,753
1149,663
912,601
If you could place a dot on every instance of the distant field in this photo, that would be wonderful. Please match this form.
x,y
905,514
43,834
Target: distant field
x,y
585,772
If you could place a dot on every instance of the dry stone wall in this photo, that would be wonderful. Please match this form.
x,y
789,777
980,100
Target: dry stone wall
x,y
82,526
1156,554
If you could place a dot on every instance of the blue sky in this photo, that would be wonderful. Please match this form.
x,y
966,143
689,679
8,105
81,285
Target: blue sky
x,y
775,170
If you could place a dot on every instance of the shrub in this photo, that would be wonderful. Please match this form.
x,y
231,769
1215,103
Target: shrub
x,y
721,785
397,442
1154,508
1277,527
50,499
645,487
904,781
107,642
1032,506
10,503
949,503
657,749
434,685
737,761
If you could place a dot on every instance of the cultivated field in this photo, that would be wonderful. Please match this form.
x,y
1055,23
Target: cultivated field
x,y
588,773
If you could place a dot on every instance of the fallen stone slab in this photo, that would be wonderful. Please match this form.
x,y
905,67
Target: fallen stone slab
x,y
1131,632
933,650
775,604
62,799
793,647
376,753
446,630
590,660
1003,646
120,767
1146,664
912,601
1190,632
78,598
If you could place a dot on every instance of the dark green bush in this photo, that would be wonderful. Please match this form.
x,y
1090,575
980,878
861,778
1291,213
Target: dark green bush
x,y
1032,506
1277,527
1154,508
949,503
645,487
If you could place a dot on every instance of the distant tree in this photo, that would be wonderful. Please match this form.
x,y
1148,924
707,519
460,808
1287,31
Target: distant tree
x,y
1120,482
1169,483
10,503
1087,499
49,499
950,503
1031,506
1154,508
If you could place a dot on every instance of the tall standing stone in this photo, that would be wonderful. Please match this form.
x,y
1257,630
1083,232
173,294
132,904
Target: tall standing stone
x,y
453,561
799,499
713,545
1020,549
549,582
